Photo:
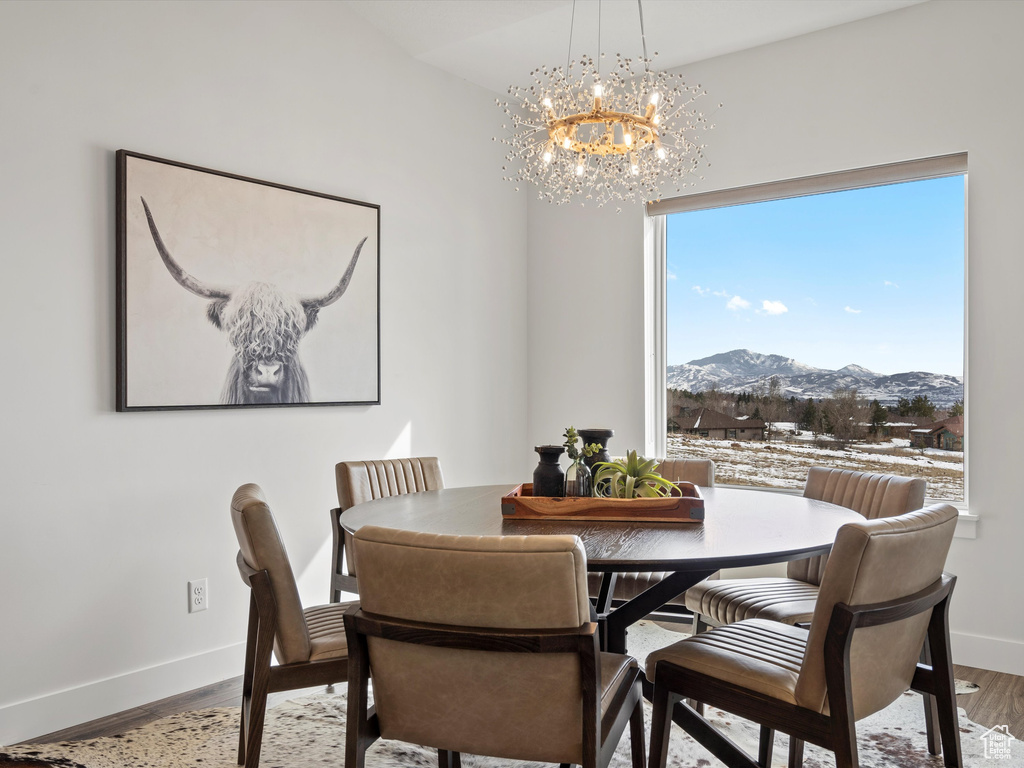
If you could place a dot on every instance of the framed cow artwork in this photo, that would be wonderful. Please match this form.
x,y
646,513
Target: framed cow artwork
x,y
239,293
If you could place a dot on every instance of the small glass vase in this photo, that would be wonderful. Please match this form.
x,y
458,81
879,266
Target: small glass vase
x,y
578,480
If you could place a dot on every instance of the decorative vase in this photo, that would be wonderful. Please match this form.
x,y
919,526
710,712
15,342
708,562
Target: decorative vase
x,y
548,477
578,479
599,436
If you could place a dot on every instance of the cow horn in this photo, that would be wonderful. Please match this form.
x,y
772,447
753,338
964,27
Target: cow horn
x,y
335,294
184,279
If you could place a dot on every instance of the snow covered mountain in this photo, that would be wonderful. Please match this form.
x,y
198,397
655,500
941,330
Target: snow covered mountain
x,y
743,371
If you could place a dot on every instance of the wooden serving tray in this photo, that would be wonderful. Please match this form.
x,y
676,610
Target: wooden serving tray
x,y
521,504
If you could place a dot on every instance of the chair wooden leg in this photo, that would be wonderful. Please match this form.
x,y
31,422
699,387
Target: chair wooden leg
x,y
661,725
765,747
796,752
241,736
845,746
247,675
945,691
447,759
636,736
838,640
254,707
257,716
362,726
699,625
931,710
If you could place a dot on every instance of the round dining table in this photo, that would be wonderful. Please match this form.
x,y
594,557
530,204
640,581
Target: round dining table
x,y
741,528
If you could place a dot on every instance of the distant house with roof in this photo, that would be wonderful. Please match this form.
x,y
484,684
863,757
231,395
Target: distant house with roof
x,y
903,427
947,434
704,422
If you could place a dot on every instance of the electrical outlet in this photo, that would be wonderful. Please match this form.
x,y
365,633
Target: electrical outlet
x,y
197,595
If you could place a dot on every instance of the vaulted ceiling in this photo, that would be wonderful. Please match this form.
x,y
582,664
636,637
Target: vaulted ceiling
x,y
496,43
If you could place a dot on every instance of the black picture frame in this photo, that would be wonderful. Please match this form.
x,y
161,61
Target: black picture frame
x,y
219,272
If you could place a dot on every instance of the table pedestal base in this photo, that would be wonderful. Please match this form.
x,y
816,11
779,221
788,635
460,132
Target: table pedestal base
x,y
613,622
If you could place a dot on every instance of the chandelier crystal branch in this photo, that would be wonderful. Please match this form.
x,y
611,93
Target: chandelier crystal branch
x,y
630,134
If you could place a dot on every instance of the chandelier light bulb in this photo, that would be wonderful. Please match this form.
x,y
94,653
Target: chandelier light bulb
x,y
579,169
567,142
654,98
628,138
547,157
598,90
547,103
661,153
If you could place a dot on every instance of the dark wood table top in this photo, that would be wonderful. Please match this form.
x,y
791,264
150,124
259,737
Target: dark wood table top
x,y
742,528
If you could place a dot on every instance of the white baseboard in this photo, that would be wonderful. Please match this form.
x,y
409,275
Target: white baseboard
x,y
992,653
25,720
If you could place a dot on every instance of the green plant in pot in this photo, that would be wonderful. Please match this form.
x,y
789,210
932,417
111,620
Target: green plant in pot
x,y
634,477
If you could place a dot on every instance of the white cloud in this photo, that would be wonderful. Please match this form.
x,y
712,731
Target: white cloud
x,y
852,311
721,294
773,307
737,303
670,275
698,289
891,284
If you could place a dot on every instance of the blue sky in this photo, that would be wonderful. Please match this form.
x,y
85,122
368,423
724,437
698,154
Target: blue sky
x,y
870,276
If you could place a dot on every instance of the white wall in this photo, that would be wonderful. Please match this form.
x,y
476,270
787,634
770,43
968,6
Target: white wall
x,y
927,80
106,516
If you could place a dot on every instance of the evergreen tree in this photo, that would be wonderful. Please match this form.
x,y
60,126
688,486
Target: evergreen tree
x,y
922,406
809,418
957,409
879,416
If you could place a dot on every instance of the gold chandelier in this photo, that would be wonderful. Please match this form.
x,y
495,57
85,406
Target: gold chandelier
x,y
631,133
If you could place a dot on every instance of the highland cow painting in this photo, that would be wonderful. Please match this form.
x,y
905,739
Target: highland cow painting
x,y
239,293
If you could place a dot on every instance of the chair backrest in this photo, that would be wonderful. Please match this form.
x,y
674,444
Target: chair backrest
x,y
262,549
871,495
872,562
696,471
360,481
519,705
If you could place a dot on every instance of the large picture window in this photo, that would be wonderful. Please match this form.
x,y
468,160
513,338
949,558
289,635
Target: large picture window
x,y
819,328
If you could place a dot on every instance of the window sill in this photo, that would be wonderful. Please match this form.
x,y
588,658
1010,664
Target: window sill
x,y
966,525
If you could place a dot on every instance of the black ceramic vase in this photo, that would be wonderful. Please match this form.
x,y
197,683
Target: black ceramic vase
x,y
548,477
599,436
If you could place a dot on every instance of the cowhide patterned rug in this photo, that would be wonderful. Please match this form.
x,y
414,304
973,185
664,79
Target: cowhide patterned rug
x,y
310,731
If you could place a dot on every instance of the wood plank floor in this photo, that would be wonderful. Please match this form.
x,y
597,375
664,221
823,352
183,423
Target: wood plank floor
x,y
999,702
227,693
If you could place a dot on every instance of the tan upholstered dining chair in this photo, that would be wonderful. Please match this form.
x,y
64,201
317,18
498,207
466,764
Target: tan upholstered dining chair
x,y
882,592
791,599
700,472
310,644
484,645
360,481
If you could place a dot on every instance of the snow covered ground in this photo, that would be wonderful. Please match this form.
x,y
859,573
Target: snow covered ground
x,y
783,463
